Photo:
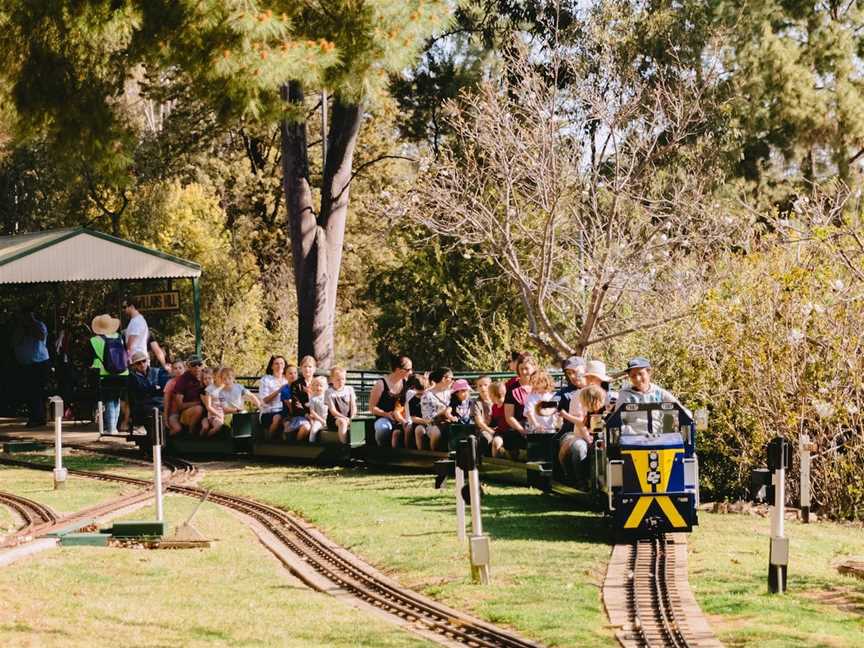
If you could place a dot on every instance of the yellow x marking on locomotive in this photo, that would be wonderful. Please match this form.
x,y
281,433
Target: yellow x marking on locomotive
x,y
640,464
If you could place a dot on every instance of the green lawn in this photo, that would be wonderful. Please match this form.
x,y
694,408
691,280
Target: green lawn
x,y
78,493
232,594
548,558
78,460
728,572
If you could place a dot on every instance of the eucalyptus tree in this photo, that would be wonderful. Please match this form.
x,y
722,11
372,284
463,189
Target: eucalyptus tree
x,y
78,72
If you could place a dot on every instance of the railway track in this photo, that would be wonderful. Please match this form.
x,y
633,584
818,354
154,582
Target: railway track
x,y
34,515
648,597
338,568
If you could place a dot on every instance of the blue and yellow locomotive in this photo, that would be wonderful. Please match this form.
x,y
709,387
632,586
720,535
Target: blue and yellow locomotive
x,y
645,464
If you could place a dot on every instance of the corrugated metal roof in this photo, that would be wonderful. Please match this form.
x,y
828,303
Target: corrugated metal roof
x,y
84,255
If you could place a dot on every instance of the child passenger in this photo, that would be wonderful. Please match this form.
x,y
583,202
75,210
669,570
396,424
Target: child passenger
x,y
415,425
574,446
498,420
481,412
460,404
541,412
341,403
212,399
234,395
317,407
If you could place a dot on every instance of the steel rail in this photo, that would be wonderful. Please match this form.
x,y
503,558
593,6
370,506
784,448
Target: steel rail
x,y
34,515
651,604
361,583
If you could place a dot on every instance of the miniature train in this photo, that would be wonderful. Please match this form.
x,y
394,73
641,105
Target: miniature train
x,y
642,468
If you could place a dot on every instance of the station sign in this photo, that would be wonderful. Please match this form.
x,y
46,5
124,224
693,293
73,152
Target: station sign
x,y
165,302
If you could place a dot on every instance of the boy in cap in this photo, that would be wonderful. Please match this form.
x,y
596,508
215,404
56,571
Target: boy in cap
x,y
641,389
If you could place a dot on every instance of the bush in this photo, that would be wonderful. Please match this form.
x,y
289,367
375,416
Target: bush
x,y
775,349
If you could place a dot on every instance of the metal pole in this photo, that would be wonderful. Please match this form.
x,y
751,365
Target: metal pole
x,y
157,464
480,548
778,459
100,413
59,471
804,449
196,306
474,490
460,505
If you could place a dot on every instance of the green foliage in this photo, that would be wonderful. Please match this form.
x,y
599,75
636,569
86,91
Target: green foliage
x,y
774,350
435,300
189,222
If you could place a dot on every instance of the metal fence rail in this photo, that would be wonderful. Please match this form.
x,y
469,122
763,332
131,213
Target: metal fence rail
x,y
363,380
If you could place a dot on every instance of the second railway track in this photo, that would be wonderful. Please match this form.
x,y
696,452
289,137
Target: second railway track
x,y
339,569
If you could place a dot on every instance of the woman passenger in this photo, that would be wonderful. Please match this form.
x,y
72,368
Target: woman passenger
x,y
384,402
435,405
268,393
300,423
514,404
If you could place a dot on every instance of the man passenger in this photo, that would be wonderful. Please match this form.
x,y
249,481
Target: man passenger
x,y
188,408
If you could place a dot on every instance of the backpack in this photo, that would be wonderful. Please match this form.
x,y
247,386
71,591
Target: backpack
x,y
114,357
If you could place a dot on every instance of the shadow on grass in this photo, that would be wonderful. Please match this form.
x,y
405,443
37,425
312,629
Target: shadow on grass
x,y
73,462
528,516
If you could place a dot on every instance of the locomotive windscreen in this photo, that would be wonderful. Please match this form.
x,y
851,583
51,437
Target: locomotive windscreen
x,y
637,423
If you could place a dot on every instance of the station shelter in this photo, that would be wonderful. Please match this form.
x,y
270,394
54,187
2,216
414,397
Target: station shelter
x,y
84,255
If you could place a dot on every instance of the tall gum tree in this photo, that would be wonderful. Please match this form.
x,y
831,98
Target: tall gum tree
x,y
66,66
374,39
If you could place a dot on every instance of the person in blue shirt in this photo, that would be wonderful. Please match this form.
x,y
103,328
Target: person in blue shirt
x,y
31,351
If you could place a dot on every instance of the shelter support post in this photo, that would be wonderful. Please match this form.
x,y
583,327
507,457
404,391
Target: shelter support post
x,y
196,305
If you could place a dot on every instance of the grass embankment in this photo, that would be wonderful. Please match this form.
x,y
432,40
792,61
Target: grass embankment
x,y
38,485
232,594
728,572
548,558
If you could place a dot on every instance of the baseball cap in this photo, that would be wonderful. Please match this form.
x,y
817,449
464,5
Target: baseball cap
x,y
638,363
194,361
573,362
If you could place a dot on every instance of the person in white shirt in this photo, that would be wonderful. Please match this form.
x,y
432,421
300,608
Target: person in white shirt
x,y
137,331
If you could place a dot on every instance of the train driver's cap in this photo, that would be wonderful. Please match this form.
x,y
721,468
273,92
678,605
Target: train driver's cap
x,y
638,363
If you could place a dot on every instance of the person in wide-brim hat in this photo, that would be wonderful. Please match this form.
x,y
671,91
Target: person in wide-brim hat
x,y
597,369
105,325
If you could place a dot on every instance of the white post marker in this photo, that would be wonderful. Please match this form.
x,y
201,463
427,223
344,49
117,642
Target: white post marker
x,y
804,450
59,471
479,542
100,417
157,465
778,461
460,505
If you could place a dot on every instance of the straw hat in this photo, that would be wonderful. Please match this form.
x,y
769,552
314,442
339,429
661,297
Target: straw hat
x,y
105,325
597,369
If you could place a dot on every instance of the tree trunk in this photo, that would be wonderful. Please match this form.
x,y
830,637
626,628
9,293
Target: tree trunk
x,y
317,240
